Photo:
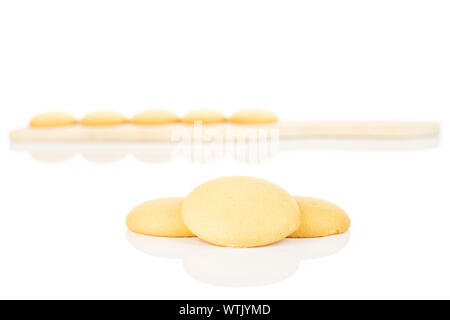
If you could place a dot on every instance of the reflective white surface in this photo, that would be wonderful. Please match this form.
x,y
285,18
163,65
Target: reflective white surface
x,y
253,153
238,267
62,230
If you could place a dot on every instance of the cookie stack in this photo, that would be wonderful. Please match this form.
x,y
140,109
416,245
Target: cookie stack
x,y
238,212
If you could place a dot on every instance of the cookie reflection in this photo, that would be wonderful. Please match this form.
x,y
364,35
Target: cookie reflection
x,y
205,152
98,157
154,158
164,247
201,152
245,267
239,267
154,153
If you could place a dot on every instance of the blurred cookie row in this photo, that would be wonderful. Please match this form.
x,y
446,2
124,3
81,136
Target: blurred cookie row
x,y
153,117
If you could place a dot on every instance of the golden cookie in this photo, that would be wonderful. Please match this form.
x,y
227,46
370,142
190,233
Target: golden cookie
x,y
206,116
320,218
240,212
52,119
160,217
253,116
103,118
154,116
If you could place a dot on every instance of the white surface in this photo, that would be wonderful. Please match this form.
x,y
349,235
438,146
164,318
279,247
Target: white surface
x,y
62,230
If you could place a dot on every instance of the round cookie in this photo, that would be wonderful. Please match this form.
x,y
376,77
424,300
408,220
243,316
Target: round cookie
x,y
253,116
160,217
320,218
206,116
52,119
103,118
240,212
155,116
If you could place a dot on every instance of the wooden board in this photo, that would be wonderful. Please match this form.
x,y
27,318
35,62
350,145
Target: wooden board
x,y
227,131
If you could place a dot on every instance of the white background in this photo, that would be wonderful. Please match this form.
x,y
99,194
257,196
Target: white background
x,y
62,230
